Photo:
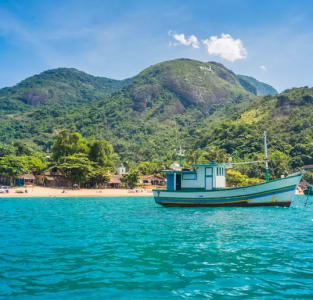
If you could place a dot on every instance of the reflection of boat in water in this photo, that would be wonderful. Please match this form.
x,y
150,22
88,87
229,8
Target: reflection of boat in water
x,y
205,185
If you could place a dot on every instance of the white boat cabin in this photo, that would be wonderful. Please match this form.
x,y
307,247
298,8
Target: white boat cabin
x,y
202,176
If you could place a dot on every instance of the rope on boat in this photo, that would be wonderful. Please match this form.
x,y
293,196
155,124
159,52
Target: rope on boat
x,y
310,187
308,184
245,162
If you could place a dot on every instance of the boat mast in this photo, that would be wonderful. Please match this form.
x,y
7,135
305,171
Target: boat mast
x,y
267,173
180,153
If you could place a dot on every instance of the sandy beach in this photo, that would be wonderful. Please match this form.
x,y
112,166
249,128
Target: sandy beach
x,y
38,191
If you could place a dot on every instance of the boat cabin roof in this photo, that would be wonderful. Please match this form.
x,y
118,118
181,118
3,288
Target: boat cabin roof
x,y
196,166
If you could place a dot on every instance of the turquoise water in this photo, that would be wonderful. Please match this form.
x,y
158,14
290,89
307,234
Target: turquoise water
x,y
130,248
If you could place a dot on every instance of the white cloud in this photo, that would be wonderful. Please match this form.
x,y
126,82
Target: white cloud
x,y
225,47
186,41
263,68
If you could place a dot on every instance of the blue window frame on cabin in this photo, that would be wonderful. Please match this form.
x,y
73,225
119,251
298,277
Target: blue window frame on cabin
x,y
209,178
170,182
220,171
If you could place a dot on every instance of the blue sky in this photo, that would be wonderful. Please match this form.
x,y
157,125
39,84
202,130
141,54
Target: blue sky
x,y
271,40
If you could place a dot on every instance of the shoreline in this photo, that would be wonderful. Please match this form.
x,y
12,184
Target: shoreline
x,y
38,191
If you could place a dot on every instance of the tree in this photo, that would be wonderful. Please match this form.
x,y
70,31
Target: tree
x,y
308,176
35,164
235,178
68,144
210,154
77,167
6,150
216,154
84,161
12,166
278,162
101,152
147,168
22,149
132,178
195,157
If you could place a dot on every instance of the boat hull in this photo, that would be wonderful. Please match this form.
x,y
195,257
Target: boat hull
x,y
274,193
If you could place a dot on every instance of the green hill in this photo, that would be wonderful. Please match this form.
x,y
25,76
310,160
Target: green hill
x,y
190,83
288,120
143,108
163,102
144,118
63,86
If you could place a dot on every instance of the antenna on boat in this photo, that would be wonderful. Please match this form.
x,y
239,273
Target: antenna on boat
x,y
180,153
267,173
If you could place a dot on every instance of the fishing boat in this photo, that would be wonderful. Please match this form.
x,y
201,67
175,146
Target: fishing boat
x,y
205,185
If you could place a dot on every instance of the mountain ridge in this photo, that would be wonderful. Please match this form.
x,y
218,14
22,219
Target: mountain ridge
x,y
141,116
255,86
45,86
60,84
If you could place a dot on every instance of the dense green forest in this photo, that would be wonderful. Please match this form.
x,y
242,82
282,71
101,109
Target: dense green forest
x,y
214,113
149,108
288,120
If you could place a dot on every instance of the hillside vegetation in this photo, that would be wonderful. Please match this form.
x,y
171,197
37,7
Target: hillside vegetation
x,y
145,109
62,86
288,120
210,110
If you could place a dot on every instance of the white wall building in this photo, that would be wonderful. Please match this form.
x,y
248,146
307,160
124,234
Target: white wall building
x,y
121,170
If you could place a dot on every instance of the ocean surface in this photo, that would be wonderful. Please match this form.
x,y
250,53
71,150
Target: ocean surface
x,y
130,248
